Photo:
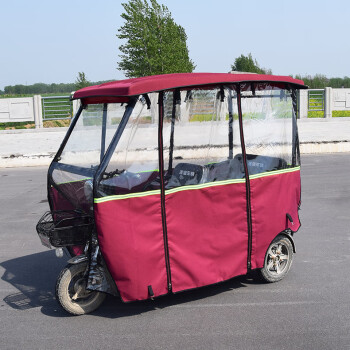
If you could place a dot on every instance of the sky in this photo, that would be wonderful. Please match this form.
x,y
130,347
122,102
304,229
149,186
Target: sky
x,y
51,41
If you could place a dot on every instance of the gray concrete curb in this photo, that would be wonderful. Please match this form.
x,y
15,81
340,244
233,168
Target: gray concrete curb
x,y
37,147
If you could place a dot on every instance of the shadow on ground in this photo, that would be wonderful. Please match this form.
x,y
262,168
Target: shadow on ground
x,y
35,276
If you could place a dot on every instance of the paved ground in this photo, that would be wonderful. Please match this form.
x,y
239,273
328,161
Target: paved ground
x,y
309,309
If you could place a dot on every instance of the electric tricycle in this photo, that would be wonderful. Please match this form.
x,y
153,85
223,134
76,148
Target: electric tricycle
x,y
173,182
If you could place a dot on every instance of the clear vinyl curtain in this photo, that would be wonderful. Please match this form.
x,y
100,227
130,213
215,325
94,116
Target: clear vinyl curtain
x,y
201,138
269,127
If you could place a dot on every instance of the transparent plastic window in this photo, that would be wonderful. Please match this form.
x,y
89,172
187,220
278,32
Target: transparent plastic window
x,y
201,138
201,150
196,128
134,163
72,185
267,113
71,191
84,145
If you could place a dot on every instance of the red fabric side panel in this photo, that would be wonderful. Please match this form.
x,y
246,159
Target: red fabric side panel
x,y
207,235
74,191
59,202
131,240
272,197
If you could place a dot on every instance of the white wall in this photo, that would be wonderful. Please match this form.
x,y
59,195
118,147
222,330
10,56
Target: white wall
x,y
335,100
29,108
341,99
16,109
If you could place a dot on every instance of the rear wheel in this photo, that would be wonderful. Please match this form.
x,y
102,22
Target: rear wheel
x,y
71,292
278,259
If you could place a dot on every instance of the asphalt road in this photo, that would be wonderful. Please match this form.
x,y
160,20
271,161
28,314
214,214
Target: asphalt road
x,y
309,309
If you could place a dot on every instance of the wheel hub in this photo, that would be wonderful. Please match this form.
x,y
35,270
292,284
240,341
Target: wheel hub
x,y
276,258
79,289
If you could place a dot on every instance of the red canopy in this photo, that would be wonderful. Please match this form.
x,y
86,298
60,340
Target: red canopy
x,y
138,86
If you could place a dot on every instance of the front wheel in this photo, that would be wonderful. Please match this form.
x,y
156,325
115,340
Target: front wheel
x,y
71,293
278,259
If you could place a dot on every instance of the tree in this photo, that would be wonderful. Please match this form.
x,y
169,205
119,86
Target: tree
x,y
155,44
318,81
81,81
248,64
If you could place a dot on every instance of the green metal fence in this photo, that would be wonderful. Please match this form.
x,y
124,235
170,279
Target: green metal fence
x,y
316,100
57,107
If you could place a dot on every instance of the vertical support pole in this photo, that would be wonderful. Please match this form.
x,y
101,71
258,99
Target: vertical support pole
x,y
76,105
303,103
38,114
154,107
35,110
328,99
187,97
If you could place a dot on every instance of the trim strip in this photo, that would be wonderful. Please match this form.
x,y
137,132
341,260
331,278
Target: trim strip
x,y
70,182
275,172
126,196
195,187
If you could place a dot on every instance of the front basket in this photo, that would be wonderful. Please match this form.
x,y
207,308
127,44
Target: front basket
x,y
64,228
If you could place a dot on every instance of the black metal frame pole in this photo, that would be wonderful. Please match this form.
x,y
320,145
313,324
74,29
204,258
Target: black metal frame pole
x,y
162,187
230,124
103,135
59,152
247,180
176,99
295,136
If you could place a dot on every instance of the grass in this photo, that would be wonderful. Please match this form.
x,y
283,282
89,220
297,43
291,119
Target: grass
x,y
97,121
145,120
201,117
340,114
315,103
56,123
56,108
335,114
315,114
17,125
252,116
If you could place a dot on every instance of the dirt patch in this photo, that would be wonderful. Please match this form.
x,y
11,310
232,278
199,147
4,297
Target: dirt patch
x,y
29,126
56,123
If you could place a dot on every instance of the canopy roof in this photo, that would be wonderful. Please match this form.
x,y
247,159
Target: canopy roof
x,y
122,89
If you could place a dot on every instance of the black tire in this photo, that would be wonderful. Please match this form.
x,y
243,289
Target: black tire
x,y
71,293
278,259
